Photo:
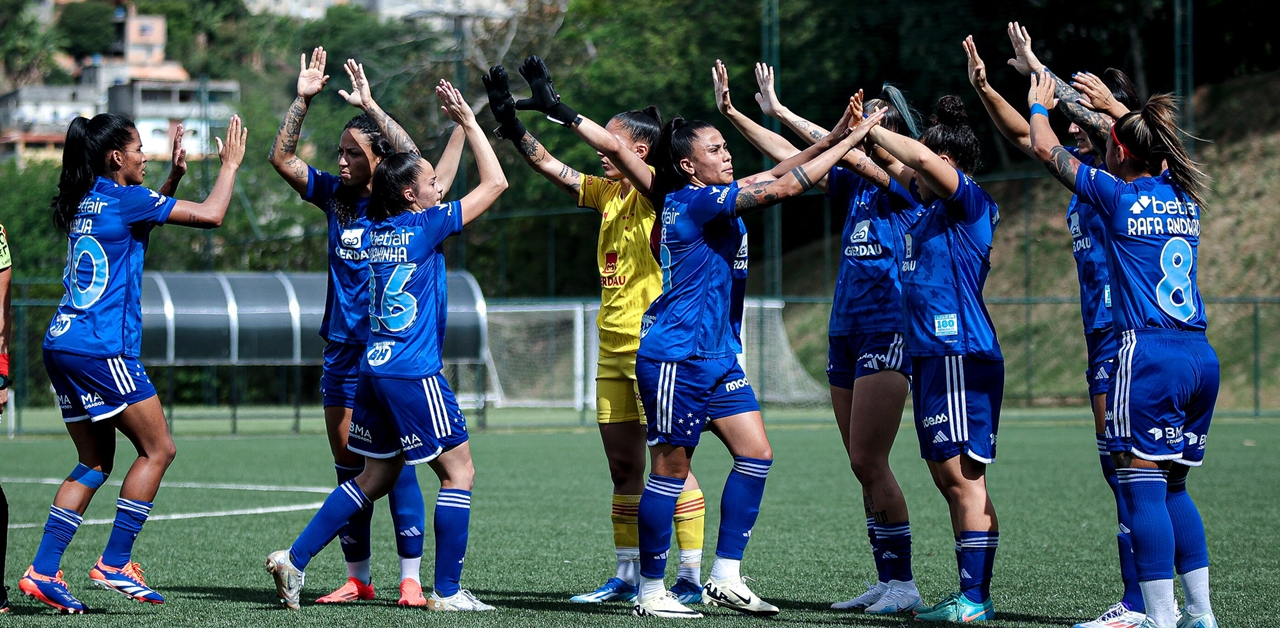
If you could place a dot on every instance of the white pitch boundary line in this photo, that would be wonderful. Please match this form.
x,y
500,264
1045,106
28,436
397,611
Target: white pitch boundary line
x,y
195,485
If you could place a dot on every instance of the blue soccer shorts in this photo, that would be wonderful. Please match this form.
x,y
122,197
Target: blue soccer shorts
x,y
956,400
1165,389
340,374
856,355
1102,361
96,388
680,397
417,417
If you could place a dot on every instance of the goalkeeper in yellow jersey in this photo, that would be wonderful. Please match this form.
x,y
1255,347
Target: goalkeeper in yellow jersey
x,y
630,279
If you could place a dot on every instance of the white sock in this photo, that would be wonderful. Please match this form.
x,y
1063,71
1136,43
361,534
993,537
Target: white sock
x,y
726,569
628,564
690,565
1195,587
411,568
650,587
359,571
1162,607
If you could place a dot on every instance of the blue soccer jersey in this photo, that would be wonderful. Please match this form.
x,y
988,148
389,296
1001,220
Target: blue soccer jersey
x,y
1153,231
1088,242
868,297
100,314
700,239
346,310
946,255
738,293
409,292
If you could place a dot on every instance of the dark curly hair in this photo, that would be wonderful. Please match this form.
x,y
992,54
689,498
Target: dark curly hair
x,y
949,134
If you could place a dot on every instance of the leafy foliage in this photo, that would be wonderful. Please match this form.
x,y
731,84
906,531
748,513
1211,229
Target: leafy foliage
x,y
87,27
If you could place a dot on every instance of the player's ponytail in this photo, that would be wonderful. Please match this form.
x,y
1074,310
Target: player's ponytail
x,y
84,159
674,144
644,126
951,135
348,196
900,117
1121,88
390,178
1151,136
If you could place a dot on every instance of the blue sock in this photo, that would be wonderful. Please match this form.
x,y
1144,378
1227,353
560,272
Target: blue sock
x,y
1191,551
895,550
130,515
740,505
1152,531
453,515
354,535
1132,598
408,513
976,558
881,575
657,509
58,532
338,508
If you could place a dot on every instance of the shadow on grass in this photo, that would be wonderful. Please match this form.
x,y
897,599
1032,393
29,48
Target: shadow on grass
x,y
254,595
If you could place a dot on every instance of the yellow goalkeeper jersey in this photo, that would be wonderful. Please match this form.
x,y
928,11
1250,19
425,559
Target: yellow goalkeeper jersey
x,y
5,260
630,279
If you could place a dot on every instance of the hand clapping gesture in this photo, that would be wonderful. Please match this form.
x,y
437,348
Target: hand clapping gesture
x,y
311,76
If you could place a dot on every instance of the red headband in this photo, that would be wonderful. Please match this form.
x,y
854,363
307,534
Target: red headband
x,y
1123,149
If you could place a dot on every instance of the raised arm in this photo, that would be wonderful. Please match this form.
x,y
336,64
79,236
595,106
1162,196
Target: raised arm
x,y
209,214
767,98
503,106
361,98
1056,158
796,180
283,155
1007,119
939,176
1096,125
1097,96
451,158
177,167
492,181
6,314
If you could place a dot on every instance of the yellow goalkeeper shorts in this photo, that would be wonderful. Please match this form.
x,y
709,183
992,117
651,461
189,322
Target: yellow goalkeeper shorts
x,y
617,394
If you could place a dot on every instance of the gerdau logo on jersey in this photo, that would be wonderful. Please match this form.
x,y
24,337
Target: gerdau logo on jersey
x,y
858,242
908,251
740,261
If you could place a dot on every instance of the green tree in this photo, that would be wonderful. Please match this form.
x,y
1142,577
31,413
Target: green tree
x,y
88,27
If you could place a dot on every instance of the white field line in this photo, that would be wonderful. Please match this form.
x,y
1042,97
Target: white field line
x,y
192,515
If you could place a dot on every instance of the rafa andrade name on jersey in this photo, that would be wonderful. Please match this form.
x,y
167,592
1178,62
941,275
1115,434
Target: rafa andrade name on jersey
x,y
1168,225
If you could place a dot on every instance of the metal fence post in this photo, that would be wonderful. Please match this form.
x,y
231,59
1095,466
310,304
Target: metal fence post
x,y
1257,361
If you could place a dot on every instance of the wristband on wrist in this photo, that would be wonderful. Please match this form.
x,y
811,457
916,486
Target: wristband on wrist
x,y
1039,109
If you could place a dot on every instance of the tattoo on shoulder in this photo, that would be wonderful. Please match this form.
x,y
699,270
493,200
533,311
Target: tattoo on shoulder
x,y
756,195
1063,166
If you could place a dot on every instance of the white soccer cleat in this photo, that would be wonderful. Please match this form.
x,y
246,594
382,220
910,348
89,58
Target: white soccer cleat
x,y
663,605
734,594
1116,617
1187,620
288,578
463,600
863,601
899,597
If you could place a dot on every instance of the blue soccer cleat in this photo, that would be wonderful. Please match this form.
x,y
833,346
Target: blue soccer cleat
x,y
126,581
687,592
1187,620
957,609
613,590
51,591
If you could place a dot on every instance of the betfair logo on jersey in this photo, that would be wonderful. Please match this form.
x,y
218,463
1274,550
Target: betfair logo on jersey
x,y
92,205
359,432
351,238
379,353
410,442
937,419
610,263
60,325
91,400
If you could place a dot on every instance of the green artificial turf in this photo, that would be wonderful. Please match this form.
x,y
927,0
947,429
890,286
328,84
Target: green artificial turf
x,y
540,530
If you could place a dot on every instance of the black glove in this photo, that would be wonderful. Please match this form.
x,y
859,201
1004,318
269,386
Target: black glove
x,y
544,99
502,105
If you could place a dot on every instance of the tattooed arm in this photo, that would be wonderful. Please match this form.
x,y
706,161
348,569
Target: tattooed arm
x,y
284,150
1043,141
536,155
361,98
1097,125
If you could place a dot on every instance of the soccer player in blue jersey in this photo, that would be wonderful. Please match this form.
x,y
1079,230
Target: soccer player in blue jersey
x,y
1087,237
91,348
689,377
405,413
1149,199
867,368
955,357
367,139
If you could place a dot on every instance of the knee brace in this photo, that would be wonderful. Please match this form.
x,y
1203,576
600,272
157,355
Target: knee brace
x,y
91,478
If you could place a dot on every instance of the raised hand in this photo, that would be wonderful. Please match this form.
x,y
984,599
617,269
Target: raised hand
x,y
359,97
767,98
977,69
544,98
1024,60
454,105
720,81
231,152
178,162
1042,88
850,118
311,76
859,132
1096,95
498,85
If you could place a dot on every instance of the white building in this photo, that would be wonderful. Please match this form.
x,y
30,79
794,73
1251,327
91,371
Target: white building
x,y
386,9
157,107
46,108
